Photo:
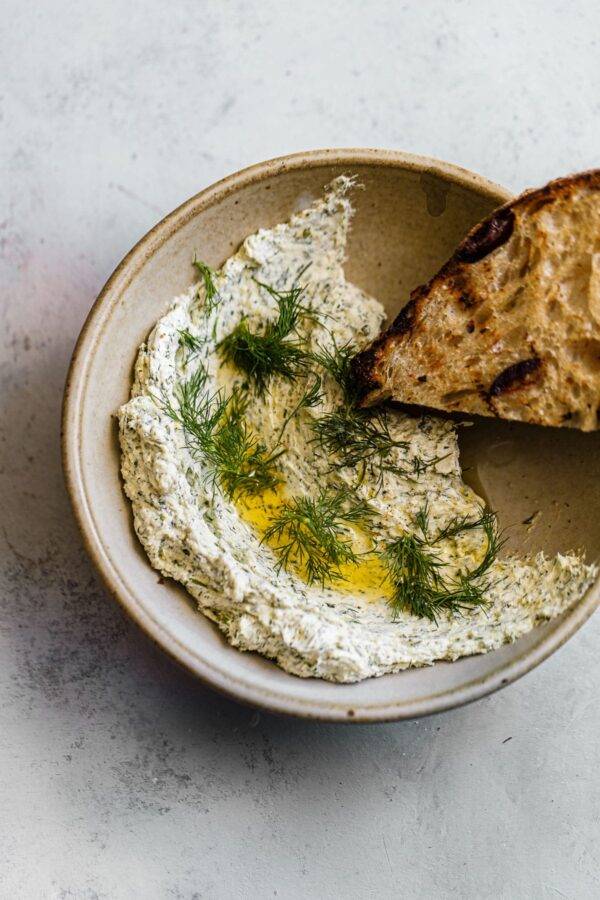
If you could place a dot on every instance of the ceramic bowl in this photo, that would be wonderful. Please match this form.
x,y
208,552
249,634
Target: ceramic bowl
x,y
410,215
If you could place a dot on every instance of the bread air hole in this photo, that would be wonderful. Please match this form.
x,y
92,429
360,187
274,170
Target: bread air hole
x,y
455,397
483,315
576,284
587,354
553,309
515,337
526,257
513,248
512,300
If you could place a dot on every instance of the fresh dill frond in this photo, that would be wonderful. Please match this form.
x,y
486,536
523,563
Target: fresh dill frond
x,y
417,572
454,599
211,294
312,534
356,437
414,573
494,543
262,355
191,344
241,462
216,430
336,360
422,520
460,524
273,350
311,397
191,404
361,438
289,302
421,465
414,468
190,341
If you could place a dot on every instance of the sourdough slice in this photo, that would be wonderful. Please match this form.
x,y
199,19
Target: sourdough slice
x,y
510,326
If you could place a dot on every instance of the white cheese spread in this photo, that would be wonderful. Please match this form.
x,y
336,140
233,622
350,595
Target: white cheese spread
x,y
344,629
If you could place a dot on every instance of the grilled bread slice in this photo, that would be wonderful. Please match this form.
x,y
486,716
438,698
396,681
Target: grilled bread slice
x,y
510,326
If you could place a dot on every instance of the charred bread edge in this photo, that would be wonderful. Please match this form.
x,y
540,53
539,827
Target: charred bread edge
x,y
483,239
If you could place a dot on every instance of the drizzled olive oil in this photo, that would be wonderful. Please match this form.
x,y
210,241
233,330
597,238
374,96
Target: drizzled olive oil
x,y
366,576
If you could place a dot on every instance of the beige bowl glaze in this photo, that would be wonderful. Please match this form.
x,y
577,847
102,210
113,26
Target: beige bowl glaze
x,y
410,215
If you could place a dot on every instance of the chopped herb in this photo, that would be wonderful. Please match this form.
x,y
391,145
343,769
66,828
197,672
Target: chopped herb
x,y
312,533
531,520
211,294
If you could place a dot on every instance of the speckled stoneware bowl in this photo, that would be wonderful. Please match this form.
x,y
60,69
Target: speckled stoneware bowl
x,y
411,214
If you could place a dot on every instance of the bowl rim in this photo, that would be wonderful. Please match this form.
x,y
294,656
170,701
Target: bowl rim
x,y
233,687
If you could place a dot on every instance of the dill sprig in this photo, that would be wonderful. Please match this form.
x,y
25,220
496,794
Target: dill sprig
x,y
311,397
272,350
312,533
190,341
216,429
242,463
357,437
416,571
191,404
414,574
211,295
261,356
191,344
336,360
354,436
460,524
414,468
494,541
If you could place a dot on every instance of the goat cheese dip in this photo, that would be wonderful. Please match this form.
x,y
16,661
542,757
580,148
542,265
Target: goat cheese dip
x,y
355,613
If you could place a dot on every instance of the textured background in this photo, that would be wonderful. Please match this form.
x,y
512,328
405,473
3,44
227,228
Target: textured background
x,y
119,776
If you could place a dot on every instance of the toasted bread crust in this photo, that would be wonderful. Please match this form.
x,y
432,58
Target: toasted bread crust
x,y
510,325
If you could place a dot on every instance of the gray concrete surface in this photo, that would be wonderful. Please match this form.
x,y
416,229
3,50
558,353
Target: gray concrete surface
x,y
119,776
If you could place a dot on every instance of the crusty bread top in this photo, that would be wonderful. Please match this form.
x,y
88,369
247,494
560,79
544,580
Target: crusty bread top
x,y
510,325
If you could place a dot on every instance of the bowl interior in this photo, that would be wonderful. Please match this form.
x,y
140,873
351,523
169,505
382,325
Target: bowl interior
x,y
409,217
